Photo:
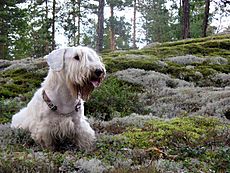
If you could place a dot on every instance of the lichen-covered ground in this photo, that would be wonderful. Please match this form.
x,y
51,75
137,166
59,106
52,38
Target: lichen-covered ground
x,y
165,108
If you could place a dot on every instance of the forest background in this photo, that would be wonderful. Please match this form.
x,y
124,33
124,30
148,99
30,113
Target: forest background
x,y
32,28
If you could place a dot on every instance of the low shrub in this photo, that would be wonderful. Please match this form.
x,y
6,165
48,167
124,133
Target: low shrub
x,y
114,98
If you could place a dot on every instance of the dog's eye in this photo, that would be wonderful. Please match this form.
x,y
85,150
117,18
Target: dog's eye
x,y
76,57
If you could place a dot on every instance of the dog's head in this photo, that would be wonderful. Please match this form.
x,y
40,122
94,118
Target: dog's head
x,y
82,67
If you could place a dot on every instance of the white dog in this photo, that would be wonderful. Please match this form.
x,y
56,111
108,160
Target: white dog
x,y
56,110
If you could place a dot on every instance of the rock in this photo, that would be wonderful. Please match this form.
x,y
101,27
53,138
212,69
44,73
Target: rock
x,y
185,60
4,64
90,166
217,61
150,79
191,59
151,45
27,63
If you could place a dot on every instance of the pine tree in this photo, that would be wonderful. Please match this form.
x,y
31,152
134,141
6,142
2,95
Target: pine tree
x,y
119,4
156,20
134,23
73,18
122,30
206,15
41,30
53,24
100,25
13,30
186,19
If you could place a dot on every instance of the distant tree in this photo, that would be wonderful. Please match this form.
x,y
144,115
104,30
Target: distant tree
x,y
53,24
112,4
68,20
222,11
175,13
134,23
13,30
197,19
119,4
186,19
100,26
40,26
206,15
122,30
90,35
79,21
74,17
156,20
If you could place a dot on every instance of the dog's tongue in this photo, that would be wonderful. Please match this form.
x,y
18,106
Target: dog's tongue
x,y
95,83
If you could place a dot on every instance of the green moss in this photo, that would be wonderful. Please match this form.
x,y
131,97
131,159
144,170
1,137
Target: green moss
x,y
19,81
178,131
4,120
210,46
197,40
181,140
116,65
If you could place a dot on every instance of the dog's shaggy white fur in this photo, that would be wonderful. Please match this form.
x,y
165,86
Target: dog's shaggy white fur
x,y
74,73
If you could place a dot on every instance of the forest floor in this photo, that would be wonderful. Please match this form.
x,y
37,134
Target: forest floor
x,y
168,111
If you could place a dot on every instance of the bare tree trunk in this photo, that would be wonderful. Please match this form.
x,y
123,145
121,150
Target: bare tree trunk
x,y
100,26
79,22
3,51
181,17
53,25
46,28
206,15
74,23
186,22
112,32
3,35
134,23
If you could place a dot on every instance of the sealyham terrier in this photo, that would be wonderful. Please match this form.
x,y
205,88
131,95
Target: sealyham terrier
x,y
56,111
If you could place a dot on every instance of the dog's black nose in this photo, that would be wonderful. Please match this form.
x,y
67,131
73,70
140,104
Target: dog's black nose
x,y
98,72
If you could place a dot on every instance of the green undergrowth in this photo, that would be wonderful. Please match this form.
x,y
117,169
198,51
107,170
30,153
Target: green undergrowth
x,y
17,87
18,81
180,140
196,144
114,98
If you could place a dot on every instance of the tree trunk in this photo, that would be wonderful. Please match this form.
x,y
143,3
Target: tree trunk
x,y
3,34
112,32
3,51
79,22
100,26
134,23
53,25
46,29
74,23
186,22
206,15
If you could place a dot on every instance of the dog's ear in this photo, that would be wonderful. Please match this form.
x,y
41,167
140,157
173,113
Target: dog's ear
x,y
56,59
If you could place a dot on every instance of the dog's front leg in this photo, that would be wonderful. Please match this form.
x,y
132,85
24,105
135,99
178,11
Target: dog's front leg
x,y
85,135
43,137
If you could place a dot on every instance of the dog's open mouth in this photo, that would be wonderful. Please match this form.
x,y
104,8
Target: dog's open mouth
x,y
96,81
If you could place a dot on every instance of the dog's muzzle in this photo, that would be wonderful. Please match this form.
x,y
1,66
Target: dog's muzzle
x,y
97,77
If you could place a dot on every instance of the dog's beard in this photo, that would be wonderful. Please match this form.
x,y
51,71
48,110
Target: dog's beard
x,y
85,88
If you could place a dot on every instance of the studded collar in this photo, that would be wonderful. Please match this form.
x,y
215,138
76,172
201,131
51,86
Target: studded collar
x,y
54,107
